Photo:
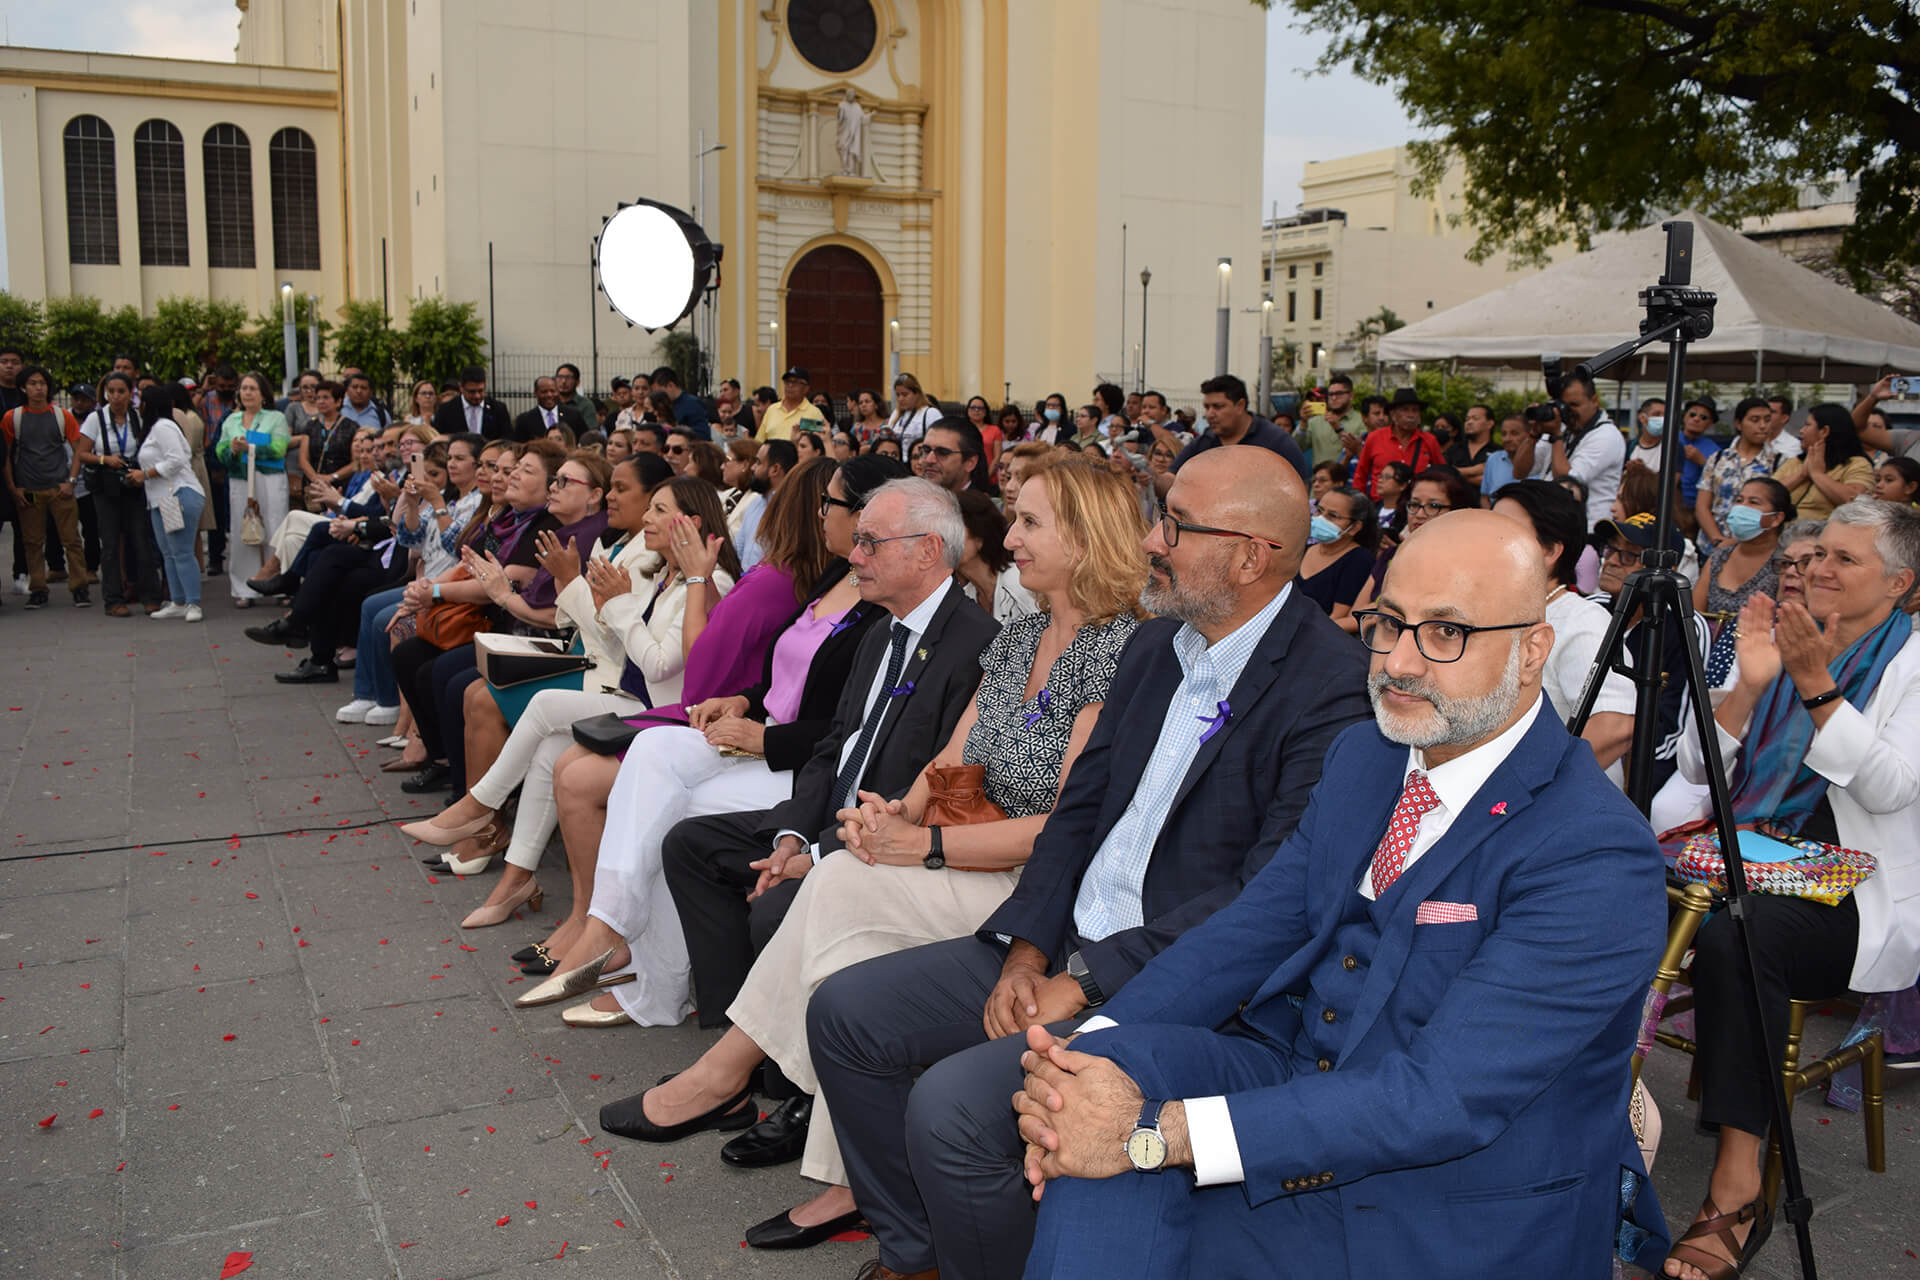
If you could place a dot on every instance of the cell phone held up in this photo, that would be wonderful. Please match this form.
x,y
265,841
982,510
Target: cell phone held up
x,y
1905,387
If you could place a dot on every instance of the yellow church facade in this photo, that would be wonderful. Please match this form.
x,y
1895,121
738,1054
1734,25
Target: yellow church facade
x,y
1021,162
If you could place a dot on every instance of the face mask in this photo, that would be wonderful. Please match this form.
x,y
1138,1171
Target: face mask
x,y
1743,523
1655,425
1321,529
1053,415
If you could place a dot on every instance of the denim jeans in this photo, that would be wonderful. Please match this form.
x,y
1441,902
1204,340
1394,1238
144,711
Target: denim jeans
x,y
373,668
176,548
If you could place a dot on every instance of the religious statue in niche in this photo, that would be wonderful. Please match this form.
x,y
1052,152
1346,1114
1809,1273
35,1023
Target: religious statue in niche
x,y
851,134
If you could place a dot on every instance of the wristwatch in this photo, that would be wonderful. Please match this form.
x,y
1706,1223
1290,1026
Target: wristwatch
x,y
1146,1146
936,858
1077,968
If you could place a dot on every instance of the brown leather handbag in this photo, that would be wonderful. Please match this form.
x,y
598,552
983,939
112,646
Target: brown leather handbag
x,y
957,797
451,623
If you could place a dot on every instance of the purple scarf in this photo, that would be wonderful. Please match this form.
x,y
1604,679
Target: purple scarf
x,y
540,591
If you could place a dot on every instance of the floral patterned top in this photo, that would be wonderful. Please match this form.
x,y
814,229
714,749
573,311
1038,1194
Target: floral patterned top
x,y
1726,471
1023,741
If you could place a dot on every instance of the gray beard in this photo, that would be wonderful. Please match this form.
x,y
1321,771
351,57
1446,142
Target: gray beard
x,y
1195,605
1455,720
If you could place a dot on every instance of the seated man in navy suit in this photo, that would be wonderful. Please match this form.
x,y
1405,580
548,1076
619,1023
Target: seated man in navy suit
x,y
1213,734
1403,1050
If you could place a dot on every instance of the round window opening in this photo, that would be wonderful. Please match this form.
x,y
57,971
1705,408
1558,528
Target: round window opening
x,y
833,35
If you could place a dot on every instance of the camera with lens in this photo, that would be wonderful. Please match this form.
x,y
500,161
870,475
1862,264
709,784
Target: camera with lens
x,y
1553,409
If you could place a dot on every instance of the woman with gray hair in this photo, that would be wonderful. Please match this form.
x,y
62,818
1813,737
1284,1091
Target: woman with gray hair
x,y
1821,741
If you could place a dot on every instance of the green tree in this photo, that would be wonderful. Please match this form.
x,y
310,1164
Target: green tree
x,y
80,340
1367,334
442,338
681,349
366,340
1604,114
22,324
185,335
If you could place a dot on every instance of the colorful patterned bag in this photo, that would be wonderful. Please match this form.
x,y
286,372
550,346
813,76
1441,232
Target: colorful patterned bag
x,y
1825,873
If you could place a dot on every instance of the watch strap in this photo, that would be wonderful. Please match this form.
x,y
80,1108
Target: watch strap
x,y
1150,1113
1821,700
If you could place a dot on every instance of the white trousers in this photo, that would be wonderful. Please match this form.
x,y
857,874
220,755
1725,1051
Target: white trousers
x,y
243,561
292,535
846,912
670,773
540,737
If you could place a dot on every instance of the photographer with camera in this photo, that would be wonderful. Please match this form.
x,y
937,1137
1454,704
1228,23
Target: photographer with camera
x,y
1583,441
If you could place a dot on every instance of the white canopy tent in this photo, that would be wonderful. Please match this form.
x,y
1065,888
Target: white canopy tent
x,y
1776,321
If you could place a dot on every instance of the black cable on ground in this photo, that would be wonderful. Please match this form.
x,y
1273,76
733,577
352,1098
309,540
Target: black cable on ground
x,y
374,820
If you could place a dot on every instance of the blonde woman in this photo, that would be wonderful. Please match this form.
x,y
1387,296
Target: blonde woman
x,y
424,401
1076,536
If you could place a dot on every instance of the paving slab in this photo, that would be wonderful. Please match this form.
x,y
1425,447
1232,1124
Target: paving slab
x,y
63,923
60,1010
243,941
61,1228
182,1036
69,1088
335,1244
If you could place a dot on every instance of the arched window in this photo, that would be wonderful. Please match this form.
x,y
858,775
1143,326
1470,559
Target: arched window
x,y
93,212
227,157
160,192
293,170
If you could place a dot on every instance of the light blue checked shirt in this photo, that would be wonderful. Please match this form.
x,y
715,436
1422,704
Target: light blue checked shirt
x,y
1109,898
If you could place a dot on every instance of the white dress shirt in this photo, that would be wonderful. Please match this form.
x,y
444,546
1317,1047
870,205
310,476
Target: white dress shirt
x,y
915,623
1216,1151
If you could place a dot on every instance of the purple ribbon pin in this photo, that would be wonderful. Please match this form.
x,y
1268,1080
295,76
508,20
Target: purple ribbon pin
x,y
899,690
1045,702
846,621
1215,723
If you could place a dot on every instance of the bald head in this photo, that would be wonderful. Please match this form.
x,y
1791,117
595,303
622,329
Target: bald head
x,y
1485,564
1243,487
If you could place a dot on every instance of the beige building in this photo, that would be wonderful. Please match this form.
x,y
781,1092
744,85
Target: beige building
x,y
472,149
1365,241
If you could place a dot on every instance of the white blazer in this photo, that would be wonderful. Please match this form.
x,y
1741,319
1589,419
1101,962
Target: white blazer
x,y
622,631
1871,758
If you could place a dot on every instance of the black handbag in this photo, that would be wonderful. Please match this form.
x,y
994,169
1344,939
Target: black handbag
x,y
611,732
505,661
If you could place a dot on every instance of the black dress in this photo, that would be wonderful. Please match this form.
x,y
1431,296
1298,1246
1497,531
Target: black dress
x,y
1340,582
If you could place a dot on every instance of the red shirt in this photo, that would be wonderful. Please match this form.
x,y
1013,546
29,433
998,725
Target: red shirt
x,y
1379,448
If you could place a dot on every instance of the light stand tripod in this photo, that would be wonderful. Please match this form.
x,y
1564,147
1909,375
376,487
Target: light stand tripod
x,y
1682,315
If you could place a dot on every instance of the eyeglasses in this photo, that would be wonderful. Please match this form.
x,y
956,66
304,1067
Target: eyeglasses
x,y
561,482
866,544
1428,508
1171,527
1799,564
828,501
676,448
1437,639
1628,554
939,451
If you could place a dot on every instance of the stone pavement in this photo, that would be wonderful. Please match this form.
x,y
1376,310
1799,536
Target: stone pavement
x,y
285,1045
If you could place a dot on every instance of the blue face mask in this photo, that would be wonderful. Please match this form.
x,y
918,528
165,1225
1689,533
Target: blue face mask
x,y
1321,529
1053,415
1743,523
1655,425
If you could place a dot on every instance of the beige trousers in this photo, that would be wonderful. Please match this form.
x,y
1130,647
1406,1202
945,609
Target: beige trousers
x,y
846,912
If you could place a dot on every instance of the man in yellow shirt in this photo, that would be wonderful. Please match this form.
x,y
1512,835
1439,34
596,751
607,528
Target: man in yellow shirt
x,y
781,420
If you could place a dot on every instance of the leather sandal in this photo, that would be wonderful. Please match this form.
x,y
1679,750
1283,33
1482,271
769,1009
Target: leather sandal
x,y
1721,1225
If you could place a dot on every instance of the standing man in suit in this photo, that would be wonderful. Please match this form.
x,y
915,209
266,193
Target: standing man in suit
x,y
734,875
1212,737
474,410
1404,1049
549,411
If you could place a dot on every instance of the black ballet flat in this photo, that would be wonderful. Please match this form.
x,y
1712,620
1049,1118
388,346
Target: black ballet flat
x,y
542,964
627,1118
781,1232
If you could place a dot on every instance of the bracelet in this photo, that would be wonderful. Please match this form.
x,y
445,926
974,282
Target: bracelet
x,y
696,582
436,591
1820,700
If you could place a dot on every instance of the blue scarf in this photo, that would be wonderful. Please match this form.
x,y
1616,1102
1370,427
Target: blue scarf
x,y
1771,781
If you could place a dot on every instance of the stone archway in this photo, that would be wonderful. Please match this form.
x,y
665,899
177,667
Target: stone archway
x,y
836,320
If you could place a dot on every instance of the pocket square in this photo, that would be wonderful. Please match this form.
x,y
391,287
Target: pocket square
x,y
1431,912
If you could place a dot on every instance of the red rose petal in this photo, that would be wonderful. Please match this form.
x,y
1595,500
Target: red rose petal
x,y
48,1122
174,1107
253,895
503,1220
563,1250
229,1036
355,1042
489,1128
533,1204
849,1237
235,1264
95,1114
618,1223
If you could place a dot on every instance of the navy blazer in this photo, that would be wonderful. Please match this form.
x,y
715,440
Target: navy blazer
x,y
1242,795
943,670
1476,1112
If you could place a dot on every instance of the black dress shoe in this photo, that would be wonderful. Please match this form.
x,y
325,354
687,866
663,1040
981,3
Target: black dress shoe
x,y
779,1139
435,777
627,1118
525,954
280,584
781,1232
280,633
310,672
543,963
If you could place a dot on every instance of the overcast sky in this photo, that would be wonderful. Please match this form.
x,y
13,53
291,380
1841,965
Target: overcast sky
x,y
1302,107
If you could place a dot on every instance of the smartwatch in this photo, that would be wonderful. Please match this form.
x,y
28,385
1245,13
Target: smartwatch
x,y
1077,968
1819,700
936,858
1146,1146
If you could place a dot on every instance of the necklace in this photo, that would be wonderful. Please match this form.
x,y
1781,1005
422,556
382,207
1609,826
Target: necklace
x,y
1555,593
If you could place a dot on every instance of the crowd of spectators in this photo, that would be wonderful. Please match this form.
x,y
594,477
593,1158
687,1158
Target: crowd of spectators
x,y
907,742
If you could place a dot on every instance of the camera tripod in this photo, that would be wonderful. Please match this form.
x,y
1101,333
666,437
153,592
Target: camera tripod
x,y
1680,315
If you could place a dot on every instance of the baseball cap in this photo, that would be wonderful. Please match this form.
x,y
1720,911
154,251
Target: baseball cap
x,y
1637,529
795,372
82,389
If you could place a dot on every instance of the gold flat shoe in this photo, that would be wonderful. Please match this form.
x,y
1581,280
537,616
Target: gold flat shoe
x,y
585,1015
573,982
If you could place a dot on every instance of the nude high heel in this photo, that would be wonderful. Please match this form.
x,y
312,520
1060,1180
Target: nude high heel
x,y
444,837
532,897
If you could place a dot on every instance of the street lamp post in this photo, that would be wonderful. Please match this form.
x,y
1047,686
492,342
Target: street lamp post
x,y
773,354
706,327
1266,357
288,340
1221,318
893,331
313,331
1145,276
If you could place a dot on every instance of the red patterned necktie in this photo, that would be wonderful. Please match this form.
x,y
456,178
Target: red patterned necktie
x,y
1390,859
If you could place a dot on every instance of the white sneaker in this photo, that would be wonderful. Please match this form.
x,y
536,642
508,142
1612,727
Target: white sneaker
x,y
355,712
383,715
193,613
20,585
169,610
